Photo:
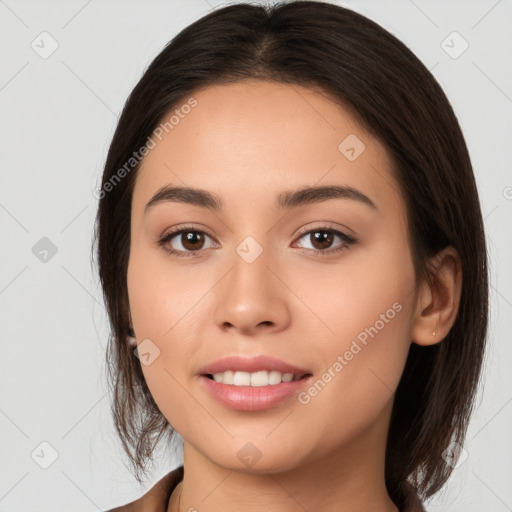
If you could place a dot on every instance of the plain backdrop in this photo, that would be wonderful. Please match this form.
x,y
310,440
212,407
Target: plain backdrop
x,y
66,71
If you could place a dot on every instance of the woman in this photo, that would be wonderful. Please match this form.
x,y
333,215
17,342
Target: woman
x,y
289,233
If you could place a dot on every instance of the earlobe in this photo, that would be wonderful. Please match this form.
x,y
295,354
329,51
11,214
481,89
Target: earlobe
x,y
438,301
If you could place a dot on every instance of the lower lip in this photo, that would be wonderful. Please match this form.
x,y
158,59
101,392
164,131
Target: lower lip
x,y
257,398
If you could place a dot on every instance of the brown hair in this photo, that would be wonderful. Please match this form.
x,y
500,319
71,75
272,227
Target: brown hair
x,y
393,95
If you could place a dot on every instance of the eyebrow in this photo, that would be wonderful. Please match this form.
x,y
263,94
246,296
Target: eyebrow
x,y
288,199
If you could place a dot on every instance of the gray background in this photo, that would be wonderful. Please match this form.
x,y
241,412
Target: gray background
x,y
57,116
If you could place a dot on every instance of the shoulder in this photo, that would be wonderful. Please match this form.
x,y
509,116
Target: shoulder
x,y
156,499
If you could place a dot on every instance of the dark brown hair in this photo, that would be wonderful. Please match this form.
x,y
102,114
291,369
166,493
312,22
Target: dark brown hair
x,y
392,94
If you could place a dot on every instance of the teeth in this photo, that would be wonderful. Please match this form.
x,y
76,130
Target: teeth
x,y
261,378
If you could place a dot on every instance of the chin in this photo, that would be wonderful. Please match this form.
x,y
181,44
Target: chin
x,y
256,456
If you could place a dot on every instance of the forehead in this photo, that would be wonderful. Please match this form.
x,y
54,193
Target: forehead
x,y
251,137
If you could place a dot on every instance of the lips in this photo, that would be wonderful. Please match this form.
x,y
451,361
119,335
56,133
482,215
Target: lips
x,y
227,381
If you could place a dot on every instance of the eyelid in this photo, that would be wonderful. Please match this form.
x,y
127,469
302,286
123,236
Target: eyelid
x,y
186,227
326,225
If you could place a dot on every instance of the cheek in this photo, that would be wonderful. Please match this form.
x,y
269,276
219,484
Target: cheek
x,y
161,295
367,296
166,309
365,308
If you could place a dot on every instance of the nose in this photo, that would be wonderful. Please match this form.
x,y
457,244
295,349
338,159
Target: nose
x,y
251,299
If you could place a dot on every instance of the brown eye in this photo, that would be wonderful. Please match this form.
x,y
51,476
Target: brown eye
x,y
321,239
192,240
185,241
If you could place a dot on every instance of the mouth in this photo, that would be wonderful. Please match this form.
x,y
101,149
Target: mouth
x,y
256,390
253,383
255,379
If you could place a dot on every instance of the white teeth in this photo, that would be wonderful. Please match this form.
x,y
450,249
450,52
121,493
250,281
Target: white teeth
x,y
274,377
259,378
242,379
255,379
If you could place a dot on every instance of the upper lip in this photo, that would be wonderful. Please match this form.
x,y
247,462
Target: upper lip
x,y
250,364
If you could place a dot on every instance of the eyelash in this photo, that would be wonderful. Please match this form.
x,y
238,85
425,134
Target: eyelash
x,y
346,239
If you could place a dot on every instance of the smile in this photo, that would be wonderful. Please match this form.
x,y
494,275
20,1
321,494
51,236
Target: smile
x,y
254,379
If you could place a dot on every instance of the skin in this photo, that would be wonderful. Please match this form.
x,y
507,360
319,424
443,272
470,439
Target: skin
x,y
247,142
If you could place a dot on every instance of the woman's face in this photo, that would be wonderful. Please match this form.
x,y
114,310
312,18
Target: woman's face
x,y
255,277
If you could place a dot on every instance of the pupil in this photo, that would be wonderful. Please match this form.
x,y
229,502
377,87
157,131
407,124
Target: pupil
x,y
324,238
191,240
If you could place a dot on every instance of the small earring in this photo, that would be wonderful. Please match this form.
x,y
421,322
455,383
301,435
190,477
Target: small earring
x,y
131,340
434,333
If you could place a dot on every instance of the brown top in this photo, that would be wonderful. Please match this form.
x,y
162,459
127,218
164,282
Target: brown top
x,y
157,498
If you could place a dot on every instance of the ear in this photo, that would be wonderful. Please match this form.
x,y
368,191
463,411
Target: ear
x,y
438,302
